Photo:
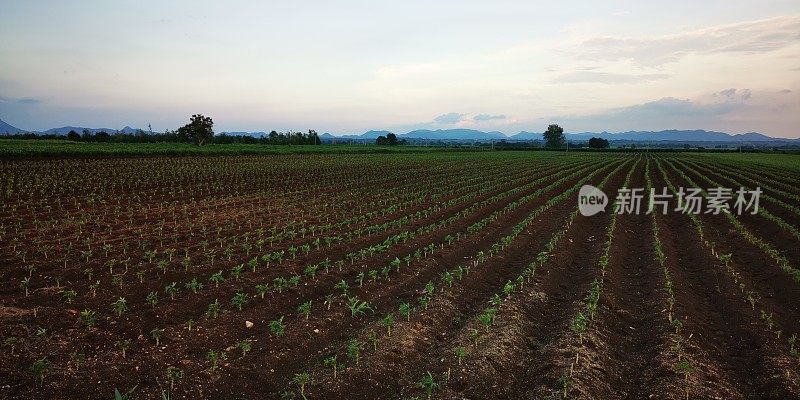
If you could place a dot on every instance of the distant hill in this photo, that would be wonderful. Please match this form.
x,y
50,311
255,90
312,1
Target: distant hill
x,y
678,136
79,129
672,135
242,133
453,134
8,129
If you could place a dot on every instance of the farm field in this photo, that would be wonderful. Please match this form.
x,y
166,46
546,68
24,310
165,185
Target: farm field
x,y
403,275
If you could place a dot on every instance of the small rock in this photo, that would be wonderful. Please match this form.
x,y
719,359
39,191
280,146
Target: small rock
x,y
248,324
316,330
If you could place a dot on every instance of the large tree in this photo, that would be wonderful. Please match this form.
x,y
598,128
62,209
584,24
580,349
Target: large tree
x,y
598,143
554,136
199,129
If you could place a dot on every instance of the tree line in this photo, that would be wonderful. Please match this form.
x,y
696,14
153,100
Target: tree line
x,y
199,131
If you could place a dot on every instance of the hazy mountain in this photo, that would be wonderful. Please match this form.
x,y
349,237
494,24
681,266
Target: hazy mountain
x,y
8,129
472,134
253,134
667,135
453,134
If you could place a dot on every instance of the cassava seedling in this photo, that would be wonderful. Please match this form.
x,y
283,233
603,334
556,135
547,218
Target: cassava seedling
x,y
245,346
123,345
89,318
301,380
120,306
428,384
304,309
277,327
388,321
239,300
332,363
214,309
262,289
40,368
354,347
215,357
152,299
173,374
405,310
460,353
157,334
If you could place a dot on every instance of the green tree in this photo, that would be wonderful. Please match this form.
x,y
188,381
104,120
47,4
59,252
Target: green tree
x,y
554,136
74,136
598,143
198,130
389,140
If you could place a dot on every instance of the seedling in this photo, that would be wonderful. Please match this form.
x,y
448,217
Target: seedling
x,y
245,346
13,342
152,298
428,384
215,357
388,321
280,283
214,309
343,286
508,288
156,334
301,380
239,300
89,318
237,271
373,337
173,374
40,368
120,306
24,283
565,381
331,362
216,278
276,326
304,309
359,278
123,345
487,318
460,353
357,307
354,347
474,335
262,289
328,301
311,271
194,285
405,310
171,290
69,295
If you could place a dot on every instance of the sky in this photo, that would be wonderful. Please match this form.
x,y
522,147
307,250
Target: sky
x,y
349,66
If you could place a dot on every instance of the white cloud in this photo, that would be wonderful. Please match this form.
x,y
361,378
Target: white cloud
x,y
749,37
606,77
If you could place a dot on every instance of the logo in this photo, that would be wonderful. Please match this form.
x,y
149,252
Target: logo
x,y
591,200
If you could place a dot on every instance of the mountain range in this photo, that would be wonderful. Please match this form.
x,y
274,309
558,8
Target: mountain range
x,y
472,134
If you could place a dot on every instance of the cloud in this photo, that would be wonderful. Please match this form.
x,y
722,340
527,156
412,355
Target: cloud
x,y
751,37
606,77
450,118
488,117
28,101
730,110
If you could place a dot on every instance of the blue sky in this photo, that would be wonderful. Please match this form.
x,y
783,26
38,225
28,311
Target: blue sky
x,y
350,66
